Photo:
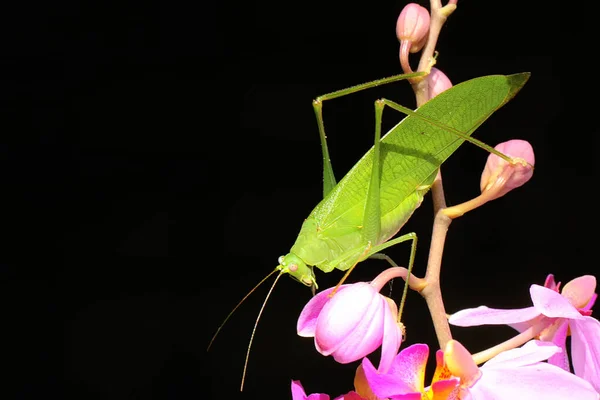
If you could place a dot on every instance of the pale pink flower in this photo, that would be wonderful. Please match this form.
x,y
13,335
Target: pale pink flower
x,y
515,374
555,315
352,323
412,26
437,82
500,177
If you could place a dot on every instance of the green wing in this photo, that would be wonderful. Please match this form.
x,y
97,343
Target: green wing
x,y
412,152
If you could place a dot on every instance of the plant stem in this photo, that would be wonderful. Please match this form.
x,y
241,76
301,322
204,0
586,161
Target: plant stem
x,y
432,291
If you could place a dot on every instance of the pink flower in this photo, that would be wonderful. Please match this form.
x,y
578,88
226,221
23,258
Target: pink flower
x,y
554,315
412,26
298,393
515,374
499,177
437,82
352,323
405,379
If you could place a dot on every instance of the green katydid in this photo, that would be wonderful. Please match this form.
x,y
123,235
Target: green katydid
x,y
359,216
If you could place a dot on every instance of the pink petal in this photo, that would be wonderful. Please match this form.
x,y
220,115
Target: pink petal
x,y
392,339
590,304
298,393
530,353
580,290
552,304
483,315
550,283
365,338
537,381
405,376
350,335
561,359
407,396
585,349
350,396
446,389
307,322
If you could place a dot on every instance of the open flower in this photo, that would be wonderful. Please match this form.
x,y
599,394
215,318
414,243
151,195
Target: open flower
x,y
515,374
405,379
352,323
554,315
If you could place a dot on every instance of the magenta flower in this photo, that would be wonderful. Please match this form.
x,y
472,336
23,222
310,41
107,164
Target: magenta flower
x,y
352,323
554,315
515,374
298,393
405,379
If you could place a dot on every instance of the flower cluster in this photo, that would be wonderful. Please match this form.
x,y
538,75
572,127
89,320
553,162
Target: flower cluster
x,y
353,323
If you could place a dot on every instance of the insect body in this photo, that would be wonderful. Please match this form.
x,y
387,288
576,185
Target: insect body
x,y
358,216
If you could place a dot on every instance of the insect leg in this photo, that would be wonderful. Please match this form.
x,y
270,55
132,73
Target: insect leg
x,y
462,135
413,250
328,176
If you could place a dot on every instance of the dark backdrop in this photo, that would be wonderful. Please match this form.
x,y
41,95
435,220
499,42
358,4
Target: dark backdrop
x,y
157,158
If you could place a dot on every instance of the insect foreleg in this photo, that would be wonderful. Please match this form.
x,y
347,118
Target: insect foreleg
x,y
413,251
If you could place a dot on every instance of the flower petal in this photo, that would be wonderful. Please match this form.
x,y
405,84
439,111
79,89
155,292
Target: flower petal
x,y
580,290
483,315
550,283
552,304
350,396
590,304
405,376
349,336
530,353
561,359
298,393
537,381
585,349
446,390
392,339
307,322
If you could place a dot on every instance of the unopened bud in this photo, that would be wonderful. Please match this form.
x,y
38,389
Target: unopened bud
x,y
413,26
499,176
437,82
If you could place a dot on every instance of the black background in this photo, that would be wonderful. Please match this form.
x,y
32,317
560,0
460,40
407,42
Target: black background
x,y
157,158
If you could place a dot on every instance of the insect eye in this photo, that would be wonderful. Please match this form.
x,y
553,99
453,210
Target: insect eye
x,y
280,260
293,267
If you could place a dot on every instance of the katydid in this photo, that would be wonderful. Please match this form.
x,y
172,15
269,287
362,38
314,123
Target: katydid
x,y
359,216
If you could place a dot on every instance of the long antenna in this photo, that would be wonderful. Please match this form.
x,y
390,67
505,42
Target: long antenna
x,y
255,325
236,307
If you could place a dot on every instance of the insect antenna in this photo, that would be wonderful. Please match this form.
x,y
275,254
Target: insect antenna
x,y
236,307
255,325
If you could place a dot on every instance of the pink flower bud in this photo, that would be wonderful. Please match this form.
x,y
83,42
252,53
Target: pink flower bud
x,y
499,176
437,82
352,324
413,26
